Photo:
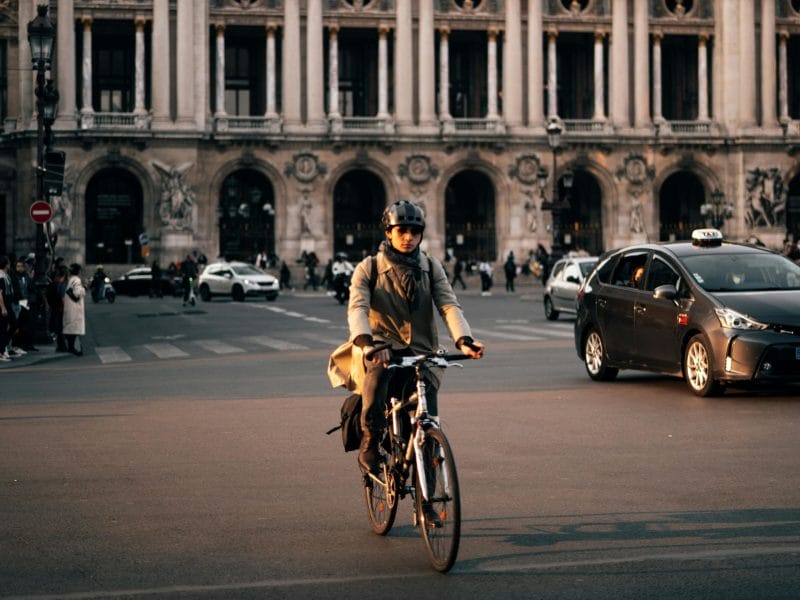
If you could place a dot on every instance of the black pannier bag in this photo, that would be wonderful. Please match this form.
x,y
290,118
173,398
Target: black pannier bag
x,y
350,423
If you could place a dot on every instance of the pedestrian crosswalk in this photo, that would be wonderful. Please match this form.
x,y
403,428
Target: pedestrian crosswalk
x,y
182,347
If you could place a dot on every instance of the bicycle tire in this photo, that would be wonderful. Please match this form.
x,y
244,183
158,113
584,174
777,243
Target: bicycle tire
x,y
381,502
441,540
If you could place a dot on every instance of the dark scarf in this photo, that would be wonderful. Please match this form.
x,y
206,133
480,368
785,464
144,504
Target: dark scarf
x,y
407,270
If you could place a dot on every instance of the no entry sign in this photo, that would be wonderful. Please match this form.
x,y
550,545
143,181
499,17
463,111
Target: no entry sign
x,y
41,212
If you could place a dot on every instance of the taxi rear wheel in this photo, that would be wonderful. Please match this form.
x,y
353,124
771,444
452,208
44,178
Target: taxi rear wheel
x,y
549,310
594,358
697,368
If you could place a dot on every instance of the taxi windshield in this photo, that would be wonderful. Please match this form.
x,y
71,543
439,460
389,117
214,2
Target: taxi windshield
x,y
247,270
743,272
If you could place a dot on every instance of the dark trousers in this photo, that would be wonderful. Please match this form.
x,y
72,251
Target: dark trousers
x,y
460,280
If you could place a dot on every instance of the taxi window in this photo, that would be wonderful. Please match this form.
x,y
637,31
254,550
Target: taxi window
x,y
557,270
630,270
661,274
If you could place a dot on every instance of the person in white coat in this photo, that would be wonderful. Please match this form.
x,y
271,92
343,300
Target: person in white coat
x,y
74,320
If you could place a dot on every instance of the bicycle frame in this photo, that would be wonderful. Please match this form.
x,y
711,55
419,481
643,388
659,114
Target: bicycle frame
x,y
421,420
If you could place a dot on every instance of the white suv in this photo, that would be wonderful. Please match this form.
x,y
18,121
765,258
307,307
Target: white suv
x,y
237,279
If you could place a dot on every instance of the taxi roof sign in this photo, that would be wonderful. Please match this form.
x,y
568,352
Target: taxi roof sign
x,y
707,237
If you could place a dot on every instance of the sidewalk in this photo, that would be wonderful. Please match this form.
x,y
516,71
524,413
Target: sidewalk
x,y
46,353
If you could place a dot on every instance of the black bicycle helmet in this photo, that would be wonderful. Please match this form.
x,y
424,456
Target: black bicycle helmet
x,y
403,212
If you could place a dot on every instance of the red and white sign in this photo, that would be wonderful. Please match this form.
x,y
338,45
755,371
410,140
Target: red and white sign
x,y
41,212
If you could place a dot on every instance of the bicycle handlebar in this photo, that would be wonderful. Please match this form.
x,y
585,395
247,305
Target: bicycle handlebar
x,y
398,360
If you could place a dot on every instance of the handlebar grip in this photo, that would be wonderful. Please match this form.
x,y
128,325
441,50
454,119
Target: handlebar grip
x,y
449,357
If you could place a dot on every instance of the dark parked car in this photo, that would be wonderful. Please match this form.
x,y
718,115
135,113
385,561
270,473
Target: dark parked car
x,y
138,281
566,278
714,312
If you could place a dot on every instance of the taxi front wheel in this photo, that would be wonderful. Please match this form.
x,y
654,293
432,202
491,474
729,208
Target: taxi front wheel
x,y
697,368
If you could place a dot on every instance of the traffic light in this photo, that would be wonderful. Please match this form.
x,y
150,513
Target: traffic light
x,y
54,173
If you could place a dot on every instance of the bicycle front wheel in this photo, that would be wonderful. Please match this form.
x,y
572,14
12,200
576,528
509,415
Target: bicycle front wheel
x,y
439,516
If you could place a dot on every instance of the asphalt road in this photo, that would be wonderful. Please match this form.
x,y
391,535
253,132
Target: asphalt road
x,y
198,467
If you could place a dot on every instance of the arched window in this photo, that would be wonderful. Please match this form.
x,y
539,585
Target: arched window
x,y
470,216
679,206
246,216
113,217
358,202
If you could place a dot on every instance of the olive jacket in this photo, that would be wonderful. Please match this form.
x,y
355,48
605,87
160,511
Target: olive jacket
x,y
384,312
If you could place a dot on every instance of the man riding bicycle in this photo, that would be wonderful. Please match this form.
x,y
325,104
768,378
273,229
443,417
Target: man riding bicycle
x,y
392,295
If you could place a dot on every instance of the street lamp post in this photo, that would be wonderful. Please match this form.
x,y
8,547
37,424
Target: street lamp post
x,y
716,211
41,35
557,204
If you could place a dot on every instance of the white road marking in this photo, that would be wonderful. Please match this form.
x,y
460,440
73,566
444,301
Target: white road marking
x,y
537,330
165,350
506,336
269,342
112,354
218,347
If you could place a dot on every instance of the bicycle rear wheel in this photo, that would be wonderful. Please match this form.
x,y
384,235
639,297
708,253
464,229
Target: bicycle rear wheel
x,y
440,517
381,501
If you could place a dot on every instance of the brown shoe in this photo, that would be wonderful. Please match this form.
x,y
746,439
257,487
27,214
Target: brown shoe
x,y
368,452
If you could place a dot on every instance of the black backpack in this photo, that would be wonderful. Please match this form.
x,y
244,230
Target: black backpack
x,y
350,423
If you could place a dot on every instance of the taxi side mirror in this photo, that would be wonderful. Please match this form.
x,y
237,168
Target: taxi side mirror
x,y
667,292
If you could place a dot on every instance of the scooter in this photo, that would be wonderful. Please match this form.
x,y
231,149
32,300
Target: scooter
x,y
103,290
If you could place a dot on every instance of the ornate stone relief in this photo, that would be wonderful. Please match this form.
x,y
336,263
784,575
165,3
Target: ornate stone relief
x,y
637,173
8,11
766,198
418,169
305,167
526,169
177,201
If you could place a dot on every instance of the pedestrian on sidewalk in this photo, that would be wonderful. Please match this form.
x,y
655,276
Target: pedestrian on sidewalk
x,y
487,276
74,317
458,268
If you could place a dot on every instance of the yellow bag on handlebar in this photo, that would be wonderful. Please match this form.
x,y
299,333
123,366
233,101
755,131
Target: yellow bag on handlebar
x,y
346,367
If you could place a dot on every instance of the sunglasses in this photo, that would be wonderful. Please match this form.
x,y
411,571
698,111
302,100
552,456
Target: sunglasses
x,y
404,229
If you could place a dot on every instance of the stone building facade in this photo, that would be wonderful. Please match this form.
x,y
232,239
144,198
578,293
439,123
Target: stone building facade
x,y
234,126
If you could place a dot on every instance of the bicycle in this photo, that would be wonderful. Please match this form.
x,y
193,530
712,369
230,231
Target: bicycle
x,y
416,460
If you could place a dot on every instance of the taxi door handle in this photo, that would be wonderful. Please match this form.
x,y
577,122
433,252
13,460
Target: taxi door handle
x,y
639,309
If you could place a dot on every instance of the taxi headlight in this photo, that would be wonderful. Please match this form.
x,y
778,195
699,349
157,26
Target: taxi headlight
x,y
735,320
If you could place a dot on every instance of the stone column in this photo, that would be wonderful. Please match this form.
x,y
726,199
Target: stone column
x,y
427,73
315,64
491,75
383,72
657,97
535,65
747,52
702,78
768,69
23,100
185,68
552,79
272,108
160,85
404,65
202,103
87,110
291,65
65,47
139,108
641,65
783,78
599,90
618,85
333,73
512,65
219,80
444,74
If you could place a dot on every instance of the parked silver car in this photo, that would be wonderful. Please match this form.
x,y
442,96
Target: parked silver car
x,y
561,289
237,280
